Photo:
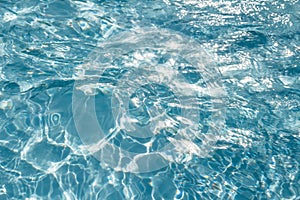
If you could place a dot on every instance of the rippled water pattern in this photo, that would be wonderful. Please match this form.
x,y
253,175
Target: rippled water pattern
x,y
244,92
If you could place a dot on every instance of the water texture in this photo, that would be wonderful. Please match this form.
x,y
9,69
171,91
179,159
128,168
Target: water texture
x,y
149,99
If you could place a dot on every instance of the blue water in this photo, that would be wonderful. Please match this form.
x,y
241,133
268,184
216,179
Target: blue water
x,y
149,99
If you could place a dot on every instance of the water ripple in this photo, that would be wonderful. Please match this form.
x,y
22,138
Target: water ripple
x,y
151,97
254,45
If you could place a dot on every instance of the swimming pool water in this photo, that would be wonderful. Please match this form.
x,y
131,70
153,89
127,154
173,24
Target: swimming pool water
x,y
158,99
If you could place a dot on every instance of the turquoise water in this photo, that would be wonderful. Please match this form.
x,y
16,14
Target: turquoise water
x,y
149,99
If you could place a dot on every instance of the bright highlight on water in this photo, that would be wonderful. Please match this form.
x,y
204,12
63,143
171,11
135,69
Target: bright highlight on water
x,y
143,100
157,83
